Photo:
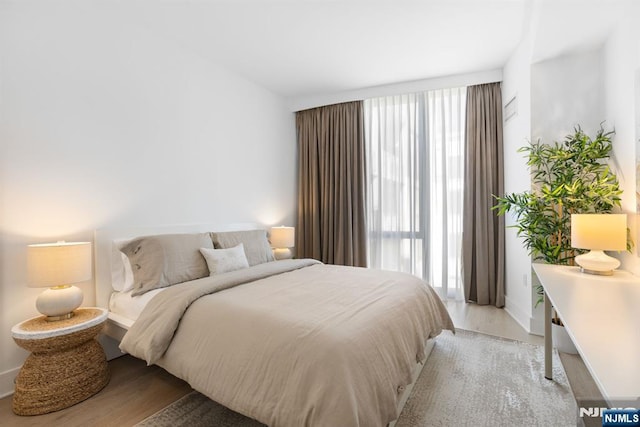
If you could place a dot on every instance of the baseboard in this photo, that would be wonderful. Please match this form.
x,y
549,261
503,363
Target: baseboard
x,y
6,381
516,314
536,326
532,325
110,346
536,321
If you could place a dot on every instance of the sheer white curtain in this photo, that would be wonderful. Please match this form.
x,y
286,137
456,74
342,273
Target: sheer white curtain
x,y
415,174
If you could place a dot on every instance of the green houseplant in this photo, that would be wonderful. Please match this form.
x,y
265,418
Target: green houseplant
x,y
567,178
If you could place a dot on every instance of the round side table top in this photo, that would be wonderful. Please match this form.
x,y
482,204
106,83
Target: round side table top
x,y
40,328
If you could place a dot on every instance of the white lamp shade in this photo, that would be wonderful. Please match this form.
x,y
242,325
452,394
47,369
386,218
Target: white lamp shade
x,y
605,232
283,237
57,264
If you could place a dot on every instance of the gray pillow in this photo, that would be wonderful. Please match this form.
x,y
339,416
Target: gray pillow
x,y
255,242
166,259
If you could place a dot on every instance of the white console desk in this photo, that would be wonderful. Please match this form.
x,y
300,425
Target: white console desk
x,y
602,316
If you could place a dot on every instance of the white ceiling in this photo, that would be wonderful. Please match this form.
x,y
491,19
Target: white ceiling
x,y
299,48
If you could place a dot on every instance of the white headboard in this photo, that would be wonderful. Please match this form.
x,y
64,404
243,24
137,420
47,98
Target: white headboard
x,y
104,240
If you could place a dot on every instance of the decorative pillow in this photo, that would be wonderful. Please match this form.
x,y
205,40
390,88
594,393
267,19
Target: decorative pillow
x,y
166,259
256,245
222,260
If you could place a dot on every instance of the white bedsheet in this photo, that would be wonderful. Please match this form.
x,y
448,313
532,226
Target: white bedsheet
x,y
129,307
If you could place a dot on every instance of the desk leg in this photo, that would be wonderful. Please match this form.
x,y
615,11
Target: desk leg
x,y
548,345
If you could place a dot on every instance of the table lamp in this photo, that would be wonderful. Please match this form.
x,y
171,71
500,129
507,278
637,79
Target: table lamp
x,y
598,232
58,266
282,238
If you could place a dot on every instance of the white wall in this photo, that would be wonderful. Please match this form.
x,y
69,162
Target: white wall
x,y
517,131
566,92
621,61
459,80
553,97
103,125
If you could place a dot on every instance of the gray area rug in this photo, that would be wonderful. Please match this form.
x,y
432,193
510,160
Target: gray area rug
x,y
470,379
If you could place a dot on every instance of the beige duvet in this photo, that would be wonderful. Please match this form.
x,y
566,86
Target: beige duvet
x,y
299,344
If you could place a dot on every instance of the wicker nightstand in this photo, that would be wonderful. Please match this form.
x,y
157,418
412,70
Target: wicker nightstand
x,y
66,366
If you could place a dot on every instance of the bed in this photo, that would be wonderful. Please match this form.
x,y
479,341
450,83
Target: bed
x,y
288,343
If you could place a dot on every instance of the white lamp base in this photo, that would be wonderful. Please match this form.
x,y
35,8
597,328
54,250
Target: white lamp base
x,y
597,262
58,303
282,253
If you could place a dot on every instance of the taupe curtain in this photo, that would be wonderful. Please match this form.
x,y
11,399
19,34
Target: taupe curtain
x,y
331,184
483,230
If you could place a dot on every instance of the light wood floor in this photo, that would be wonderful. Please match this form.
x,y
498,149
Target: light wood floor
x,y
134,392
489,320
137,391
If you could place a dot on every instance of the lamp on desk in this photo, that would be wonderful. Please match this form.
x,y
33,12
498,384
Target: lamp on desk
x,y
598,232
282,238
58,266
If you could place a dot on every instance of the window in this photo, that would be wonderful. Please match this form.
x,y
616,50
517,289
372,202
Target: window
x,y
415,168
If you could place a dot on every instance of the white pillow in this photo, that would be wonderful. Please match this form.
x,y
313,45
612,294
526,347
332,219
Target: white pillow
x,y
121,272
128,274
223,260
